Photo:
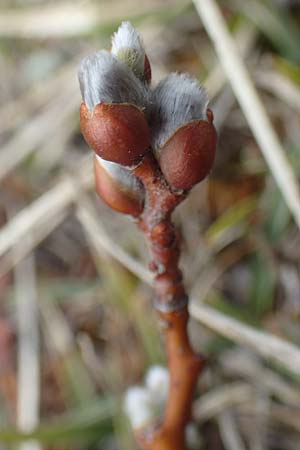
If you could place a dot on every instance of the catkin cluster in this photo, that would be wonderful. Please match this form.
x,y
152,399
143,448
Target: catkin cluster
x,y
123,118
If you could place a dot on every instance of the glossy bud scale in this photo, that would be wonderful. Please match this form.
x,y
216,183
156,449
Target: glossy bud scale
x,y
114,194
188,155
116,132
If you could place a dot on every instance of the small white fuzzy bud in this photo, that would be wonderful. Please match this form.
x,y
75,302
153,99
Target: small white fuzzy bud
x,y
177,100
104,79
138,406
127,47
123,176
157,381
144,404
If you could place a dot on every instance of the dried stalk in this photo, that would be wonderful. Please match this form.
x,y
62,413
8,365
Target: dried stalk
x,y
28,350
250,103
171,303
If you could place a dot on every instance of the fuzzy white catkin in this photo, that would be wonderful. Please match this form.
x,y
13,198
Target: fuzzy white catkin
x,y
157,382
104,79
124,177
127,46
138,406
177,100
143,403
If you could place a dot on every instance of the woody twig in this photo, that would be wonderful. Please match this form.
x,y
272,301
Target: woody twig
x,y
171,303
152,147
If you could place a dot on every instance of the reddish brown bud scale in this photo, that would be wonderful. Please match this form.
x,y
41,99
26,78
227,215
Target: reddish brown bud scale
x,y
117,132
113,194
188,156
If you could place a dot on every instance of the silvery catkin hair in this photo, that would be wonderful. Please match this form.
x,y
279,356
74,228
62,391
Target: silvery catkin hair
x,y
176,100
104,79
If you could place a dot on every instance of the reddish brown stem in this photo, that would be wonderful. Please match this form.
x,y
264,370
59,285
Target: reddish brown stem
x,y
171,302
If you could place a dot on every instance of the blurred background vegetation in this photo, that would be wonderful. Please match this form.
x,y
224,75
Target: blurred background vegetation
x,y
76,322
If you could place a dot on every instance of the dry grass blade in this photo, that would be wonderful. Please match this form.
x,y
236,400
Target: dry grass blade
x,y
263,343
250,103
280,86
102,242
18,110
16,253
38,130
219,399
28,393
240,363
245,38
283,415
229,432
50,204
